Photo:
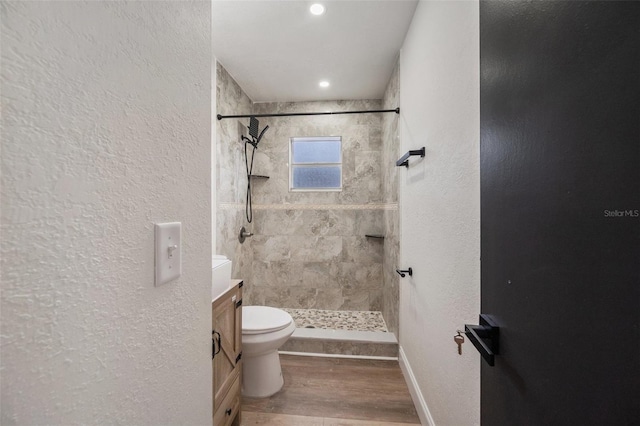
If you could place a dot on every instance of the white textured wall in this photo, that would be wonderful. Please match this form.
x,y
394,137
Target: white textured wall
x,y
440,206
105,130
214,154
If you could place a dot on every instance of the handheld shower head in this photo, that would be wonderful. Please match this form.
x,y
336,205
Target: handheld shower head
x,y
253,140
261,134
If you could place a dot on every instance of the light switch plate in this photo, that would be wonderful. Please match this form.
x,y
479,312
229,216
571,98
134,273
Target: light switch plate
x,y
168,252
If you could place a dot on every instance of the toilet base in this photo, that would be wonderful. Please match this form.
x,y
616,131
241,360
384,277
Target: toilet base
x,y
261,375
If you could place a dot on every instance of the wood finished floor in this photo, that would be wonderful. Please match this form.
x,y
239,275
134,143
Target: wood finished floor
x,y
335,392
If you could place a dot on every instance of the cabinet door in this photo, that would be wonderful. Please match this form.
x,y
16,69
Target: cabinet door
x,y
226,321
237,348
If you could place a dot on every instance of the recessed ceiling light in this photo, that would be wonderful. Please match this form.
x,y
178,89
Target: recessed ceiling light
x,y
317,9
324,84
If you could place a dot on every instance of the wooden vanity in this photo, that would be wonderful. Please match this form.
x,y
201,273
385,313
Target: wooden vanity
x,y
227,362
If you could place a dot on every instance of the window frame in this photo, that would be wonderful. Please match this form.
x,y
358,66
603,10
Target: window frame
x,y
292,165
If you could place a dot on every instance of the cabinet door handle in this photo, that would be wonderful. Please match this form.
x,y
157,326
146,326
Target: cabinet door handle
x,y
229,411
215,339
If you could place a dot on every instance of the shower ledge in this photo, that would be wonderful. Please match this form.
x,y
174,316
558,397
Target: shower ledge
x,y
322,342
349,335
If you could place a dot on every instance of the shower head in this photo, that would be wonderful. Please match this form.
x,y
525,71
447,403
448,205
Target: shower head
x,y
254,124
253,127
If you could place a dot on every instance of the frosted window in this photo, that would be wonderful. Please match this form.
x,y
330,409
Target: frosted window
x,y
316,177
316,151
316,164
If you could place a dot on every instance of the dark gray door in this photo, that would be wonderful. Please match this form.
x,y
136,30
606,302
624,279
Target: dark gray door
x,y
560,204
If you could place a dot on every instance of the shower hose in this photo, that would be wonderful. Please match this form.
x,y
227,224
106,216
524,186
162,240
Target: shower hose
x,y
249,167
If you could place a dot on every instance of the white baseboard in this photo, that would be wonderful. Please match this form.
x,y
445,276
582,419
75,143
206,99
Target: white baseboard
x,y
418,400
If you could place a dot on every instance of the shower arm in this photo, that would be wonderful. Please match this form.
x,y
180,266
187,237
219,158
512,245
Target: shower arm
x,y
254,142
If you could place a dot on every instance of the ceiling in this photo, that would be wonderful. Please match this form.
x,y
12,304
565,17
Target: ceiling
x,y
278,51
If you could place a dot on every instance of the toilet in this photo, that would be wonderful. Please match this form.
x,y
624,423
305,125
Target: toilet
x,y
264,330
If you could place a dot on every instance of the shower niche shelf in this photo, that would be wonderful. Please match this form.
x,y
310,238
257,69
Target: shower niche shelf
x,y
376,236
258,177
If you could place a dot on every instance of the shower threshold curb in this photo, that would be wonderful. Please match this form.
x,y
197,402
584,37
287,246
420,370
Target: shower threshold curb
x,y
342,342
345,335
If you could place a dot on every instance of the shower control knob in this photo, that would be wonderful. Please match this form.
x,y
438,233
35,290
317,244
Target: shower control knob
x,y
244,234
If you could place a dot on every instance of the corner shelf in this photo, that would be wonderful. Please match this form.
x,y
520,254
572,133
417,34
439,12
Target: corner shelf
x,y
259,177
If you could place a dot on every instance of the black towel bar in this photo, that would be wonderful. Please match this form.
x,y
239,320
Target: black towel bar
x,y
403,273
404,160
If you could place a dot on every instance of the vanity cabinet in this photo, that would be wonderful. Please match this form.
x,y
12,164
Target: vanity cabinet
x,y
227,360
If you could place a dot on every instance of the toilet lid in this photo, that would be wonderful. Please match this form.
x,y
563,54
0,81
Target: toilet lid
x,y
263,319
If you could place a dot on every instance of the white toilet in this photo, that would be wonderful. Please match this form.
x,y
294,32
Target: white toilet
x,y
264,330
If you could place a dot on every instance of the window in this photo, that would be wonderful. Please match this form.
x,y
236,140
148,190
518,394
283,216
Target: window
x,y
315,164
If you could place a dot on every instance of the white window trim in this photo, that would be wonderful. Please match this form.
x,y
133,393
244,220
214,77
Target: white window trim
x,y
291,164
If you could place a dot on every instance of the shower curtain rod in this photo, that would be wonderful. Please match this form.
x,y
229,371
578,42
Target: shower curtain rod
x,y
291,114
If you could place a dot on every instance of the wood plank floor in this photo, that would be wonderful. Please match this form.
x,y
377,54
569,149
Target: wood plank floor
x,y
335,392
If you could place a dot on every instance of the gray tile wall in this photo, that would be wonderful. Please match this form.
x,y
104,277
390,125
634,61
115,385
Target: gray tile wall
x,y
231,180
390,153
310,249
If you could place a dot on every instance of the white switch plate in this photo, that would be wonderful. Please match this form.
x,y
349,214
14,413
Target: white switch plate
x,y
168,252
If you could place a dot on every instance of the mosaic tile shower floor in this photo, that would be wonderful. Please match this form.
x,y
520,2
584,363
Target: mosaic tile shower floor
x,y
338,320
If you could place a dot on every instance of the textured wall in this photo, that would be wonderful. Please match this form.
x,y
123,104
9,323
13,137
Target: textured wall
x,y
391,153
440,199
214,155
105,130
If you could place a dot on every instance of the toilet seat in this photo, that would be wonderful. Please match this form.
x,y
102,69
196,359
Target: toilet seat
x,y
264,319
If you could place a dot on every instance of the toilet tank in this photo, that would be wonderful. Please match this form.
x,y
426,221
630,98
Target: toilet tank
x,y
221,275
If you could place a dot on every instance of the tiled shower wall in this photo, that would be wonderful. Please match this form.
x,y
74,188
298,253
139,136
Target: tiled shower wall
x,y
231,179
309,249
390,153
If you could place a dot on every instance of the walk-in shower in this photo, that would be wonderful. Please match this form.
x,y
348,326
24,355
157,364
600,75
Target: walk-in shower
x,y
312,252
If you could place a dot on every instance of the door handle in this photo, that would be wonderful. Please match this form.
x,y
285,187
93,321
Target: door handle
x,y
485,337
